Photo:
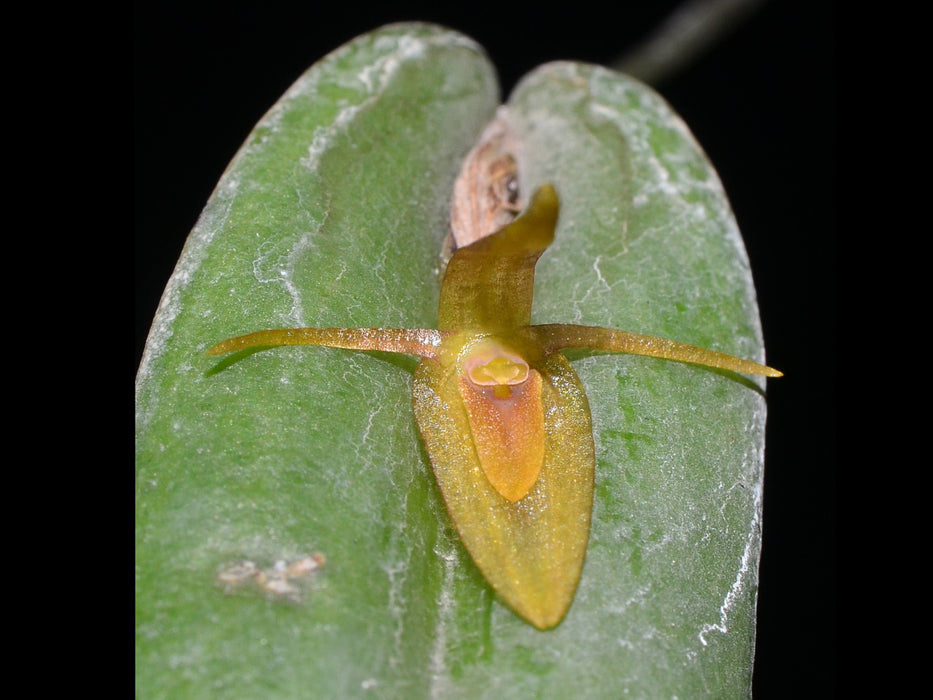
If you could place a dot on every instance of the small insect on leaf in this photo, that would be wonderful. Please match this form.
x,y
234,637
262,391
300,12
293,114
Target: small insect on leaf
x,y
502,413
274,580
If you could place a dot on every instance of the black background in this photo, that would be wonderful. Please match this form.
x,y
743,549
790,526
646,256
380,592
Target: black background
x,y
762,104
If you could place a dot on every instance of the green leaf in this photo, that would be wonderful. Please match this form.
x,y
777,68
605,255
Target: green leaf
x,y
333,214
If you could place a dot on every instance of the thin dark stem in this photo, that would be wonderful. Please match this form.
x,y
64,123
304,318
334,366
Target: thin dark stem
x,y
690,30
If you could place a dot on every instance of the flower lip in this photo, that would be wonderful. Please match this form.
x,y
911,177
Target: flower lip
x,y
488,363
